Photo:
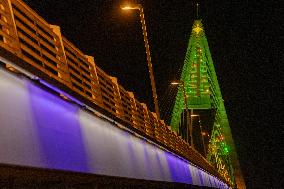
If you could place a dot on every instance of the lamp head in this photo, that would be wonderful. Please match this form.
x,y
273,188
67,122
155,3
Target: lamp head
x,y
178,82
175,83
194,115
131,7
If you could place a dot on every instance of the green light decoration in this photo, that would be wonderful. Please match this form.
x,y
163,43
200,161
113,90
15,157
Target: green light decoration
x,y
194,75
226,150
203,92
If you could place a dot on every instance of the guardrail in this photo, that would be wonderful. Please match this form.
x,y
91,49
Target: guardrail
x,y
41,46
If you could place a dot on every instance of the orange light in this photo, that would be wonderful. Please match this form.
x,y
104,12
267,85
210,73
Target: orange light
x,y
127,7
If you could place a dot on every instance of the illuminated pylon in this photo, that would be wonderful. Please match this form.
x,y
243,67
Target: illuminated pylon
x,y
203,92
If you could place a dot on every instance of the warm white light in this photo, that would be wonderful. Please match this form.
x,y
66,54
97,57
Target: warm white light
x,y
194,115
175,83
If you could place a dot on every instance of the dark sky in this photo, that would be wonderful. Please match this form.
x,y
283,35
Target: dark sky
x,y
246,43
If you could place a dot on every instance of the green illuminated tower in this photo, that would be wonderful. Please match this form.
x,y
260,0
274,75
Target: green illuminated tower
x,y
203,94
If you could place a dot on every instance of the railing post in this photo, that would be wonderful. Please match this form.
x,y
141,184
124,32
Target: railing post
x,y
118,104
63,67
149,129
97,95
157,130
162,128
15,44
133,110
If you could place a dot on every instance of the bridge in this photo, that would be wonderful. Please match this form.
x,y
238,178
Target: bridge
x,y
60,111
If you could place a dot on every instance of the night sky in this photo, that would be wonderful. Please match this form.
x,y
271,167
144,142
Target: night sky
x,y
246,43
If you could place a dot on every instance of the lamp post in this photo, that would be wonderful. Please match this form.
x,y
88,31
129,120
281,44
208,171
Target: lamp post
x,y
189,119
148,54
202,136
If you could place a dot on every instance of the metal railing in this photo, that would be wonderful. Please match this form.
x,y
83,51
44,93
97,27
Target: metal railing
x,y
40,45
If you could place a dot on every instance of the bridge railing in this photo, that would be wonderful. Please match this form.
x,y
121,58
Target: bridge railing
x,y
40,45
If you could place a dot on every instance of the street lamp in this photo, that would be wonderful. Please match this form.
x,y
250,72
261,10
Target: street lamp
x,y
189,119
148,54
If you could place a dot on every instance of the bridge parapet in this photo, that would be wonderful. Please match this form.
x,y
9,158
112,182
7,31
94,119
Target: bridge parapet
x,y
41,50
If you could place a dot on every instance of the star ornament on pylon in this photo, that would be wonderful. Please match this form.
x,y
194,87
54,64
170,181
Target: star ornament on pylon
x,y
197,29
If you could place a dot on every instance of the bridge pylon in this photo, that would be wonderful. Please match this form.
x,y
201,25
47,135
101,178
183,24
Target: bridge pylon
x,y
211,132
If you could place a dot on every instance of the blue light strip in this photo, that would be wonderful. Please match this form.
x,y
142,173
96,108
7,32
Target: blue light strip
x,y
40,129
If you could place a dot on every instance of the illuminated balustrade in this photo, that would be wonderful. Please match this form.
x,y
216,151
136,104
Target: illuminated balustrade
x,y
41,47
